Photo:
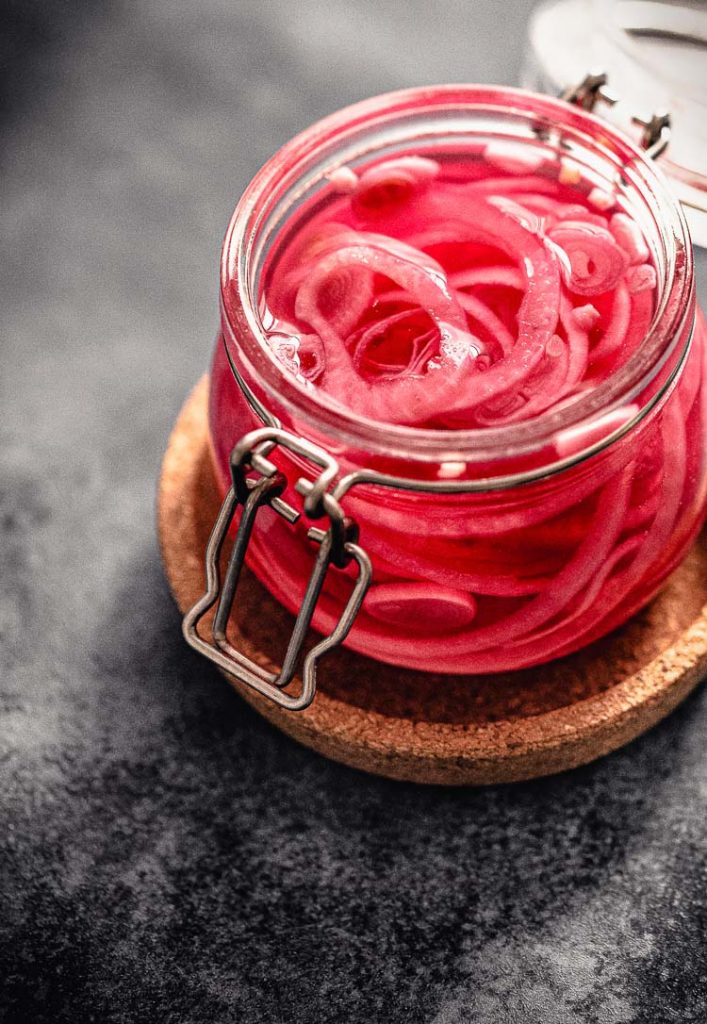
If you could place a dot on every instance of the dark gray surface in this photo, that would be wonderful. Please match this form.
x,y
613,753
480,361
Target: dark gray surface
x,y
166,856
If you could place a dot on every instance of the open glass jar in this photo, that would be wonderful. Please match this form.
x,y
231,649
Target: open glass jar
x,y
467,548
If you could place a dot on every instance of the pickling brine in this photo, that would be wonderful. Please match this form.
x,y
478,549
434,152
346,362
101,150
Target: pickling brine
x,y
480,312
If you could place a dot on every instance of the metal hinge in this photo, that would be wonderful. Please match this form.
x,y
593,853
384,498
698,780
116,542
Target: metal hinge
x,y
594,89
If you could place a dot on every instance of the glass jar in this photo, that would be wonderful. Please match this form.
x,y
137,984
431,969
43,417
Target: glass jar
x,y
490,549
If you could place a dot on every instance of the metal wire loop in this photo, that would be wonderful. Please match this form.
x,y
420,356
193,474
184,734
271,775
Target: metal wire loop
x,y
338,546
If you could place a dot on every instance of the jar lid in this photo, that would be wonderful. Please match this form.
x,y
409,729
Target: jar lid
x,y
654,54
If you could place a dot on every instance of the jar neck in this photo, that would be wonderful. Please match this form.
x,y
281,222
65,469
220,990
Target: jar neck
x,y
418,120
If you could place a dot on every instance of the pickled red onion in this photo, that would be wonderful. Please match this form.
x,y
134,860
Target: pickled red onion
x,y
597,261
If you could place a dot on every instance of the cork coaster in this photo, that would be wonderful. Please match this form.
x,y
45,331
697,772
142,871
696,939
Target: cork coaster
x,y
430,728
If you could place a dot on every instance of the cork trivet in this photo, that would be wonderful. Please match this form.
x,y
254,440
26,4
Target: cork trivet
x,y
438,728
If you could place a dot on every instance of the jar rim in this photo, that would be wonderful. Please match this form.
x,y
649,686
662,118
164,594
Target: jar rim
x,y
244,331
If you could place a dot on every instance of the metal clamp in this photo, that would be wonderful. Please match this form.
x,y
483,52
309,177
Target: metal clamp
x,y
338,545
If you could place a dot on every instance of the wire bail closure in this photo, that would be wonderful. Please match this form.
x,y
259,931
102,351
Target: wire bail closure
x,y
338,546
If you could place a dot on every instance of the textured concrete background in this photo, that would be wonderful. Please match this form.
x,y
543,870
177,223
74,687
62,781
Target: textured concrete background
x,y
166,856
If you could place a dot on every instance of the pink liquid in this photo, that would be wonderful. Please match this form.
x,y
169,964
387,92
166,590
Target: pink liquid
x,y
475,294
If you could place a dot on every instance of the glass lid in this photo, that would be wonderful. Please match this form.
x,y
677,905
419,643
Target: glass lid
x,y
654,53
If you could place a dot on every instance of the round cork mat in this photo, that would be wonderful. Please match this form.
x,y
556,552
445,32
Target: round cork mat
x,y
422,727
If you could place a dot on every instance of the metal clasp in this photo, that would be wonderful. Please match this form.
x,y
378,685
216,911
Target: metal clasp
x,y
338,545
